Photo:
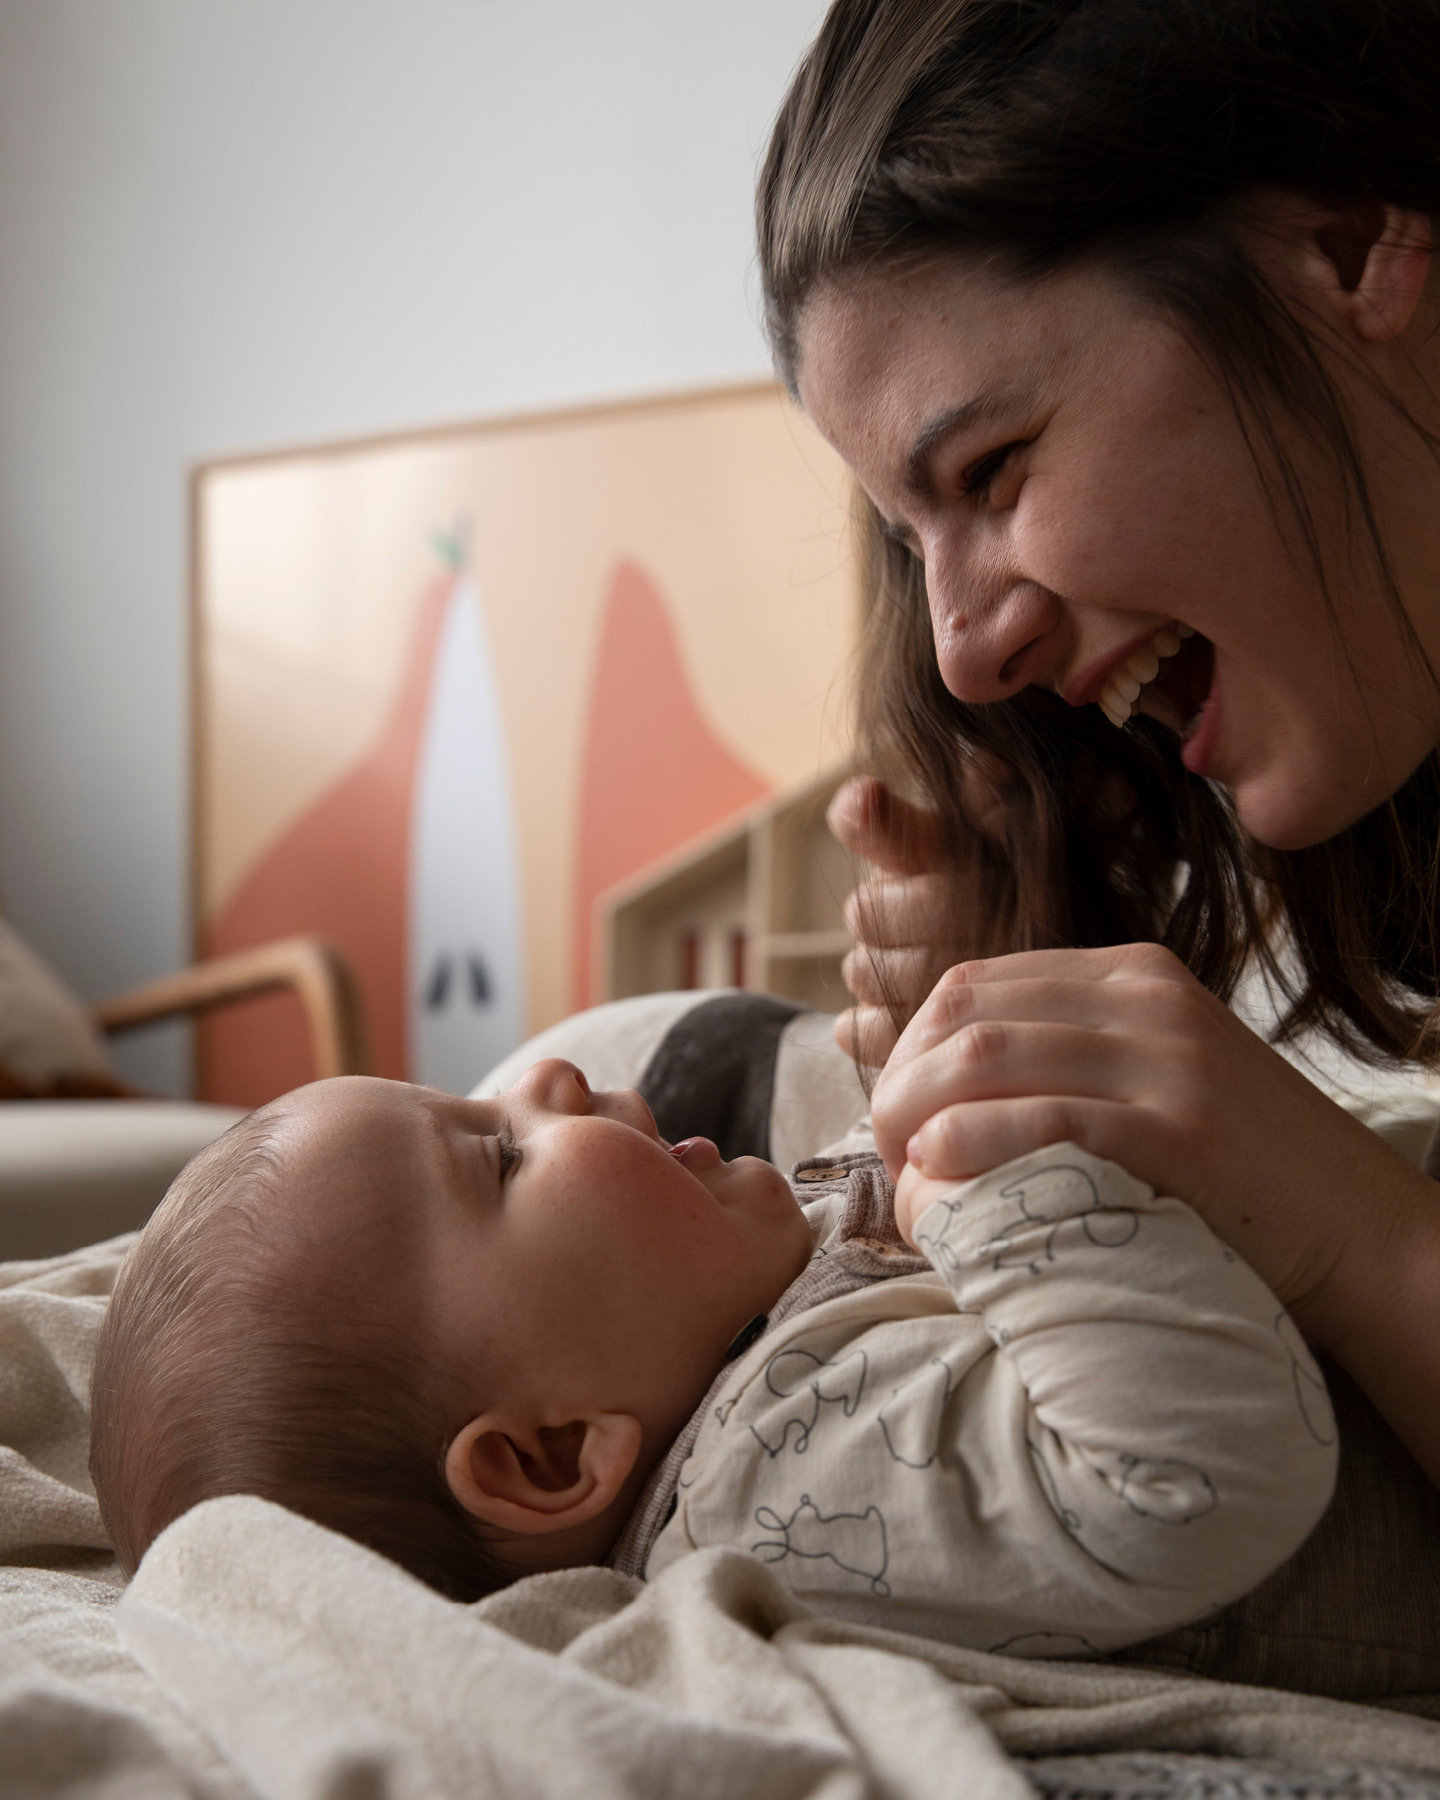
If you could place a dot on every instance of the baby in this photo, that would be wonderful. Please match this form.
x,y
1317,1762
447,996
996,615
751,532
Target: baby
x,y
1043,1411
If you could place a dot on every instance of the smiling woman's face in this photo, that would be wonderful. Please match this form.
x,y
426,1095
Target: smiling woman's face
x,y
1074,479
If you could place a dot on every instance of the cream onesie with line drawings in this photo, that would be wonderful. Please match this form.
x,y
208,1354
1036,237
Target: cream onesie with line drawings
x,y
1086,1422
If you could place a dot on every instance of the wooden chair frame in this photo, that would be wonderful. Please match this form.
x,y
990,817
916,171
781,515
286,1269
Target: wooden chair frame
x,y
313,967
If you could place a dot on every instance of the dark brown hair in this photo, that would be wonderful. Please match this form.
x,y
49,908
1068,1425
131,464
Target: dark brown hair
x,y
1126,133
218,1372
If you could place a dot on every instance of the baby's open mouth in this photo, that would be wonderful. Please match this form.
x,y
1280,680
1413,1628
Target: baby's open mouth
x,y
692,1149
1168,680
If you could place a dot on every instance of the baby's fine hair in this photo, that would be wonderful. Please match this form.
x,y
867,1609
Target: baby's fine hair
x,y
220,1371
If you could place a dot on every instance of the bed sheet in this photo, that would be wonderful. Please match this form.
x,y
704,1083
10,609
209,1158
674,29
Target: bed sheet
x,y
256,1654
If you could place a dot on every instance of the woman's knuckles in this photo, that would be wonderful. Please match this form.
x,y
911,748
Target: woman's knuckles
x,y
858,972
1059,1119
866,1033
868,982
976,1054
1136,960
963,1141
910,910
953,997
899,978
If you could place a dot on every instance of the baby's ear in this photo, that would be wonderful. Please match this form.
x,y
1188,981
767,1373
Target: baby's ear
x,y
536,1479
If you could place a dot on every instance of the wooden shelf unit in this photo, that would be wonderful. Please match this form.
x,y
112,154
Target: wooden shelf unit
x,y
755,904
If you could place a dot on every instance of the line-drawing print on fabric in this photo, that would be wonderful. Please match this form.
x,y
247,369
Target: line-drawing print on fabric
x,y
934,1244
1170,1491
1311,1394
1044,1643
1049,1196
1048,1479
1045,1475
1108,1227
810,1381
726,1407
854,1542
912,1416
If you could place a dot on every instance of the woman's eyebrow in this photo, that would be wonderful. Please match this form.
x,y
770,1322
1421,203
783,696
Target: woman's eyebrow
x,y
982,407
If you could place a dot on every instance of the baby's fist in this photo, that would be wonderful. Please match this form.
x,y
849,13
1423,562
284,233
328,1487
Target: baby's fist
x,y
914,1195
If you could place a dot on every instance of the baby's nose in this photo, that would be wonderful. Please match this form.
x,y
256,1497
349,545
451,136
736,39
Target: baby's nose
x,y
557,1085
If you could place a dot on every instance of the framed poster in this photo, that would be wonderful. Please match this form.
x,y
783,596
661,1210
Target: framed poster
x,y
449,687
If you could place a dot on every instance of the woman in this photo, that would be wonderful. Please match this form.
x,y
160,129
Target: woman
x,y
1125,317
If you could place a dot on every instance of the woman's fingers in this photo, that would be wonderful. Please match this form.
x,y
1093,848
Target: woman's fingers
x,y
911,910
1112,962
1085,986
912,921
964,1141
1131,1023
955,1007
866,1033
985,783
1124,1053
899,978
877,825
903,910
1002,1059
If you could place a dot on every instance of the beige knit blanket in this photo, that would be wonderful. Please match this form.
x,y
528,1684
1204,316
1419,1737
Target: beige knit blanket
x,y
258,1656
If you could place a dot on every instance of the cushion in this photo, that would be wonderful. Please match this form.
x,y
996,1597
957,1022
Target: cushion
x,y
45,1031
73,1172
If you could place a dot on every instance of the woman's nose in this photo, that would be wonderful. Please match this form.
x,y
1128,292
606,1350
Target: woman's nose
x,y
993,634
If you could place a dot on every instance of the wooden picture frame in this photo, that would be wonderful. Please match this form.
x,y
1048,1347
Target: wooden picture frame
x,y
453,687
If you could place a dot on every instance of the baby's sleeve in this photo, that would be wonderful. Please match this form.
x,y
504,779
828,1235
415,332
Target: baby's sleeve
x,y
1174,1421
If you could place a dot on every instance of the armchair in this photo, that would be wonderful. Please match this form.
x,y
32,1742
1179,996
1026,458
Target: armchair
x,y
75,1170
314,967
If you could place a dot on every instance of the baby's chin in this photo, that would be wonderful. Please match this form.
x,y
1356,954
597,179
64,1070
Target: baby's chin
x,y
752,1182
790,1228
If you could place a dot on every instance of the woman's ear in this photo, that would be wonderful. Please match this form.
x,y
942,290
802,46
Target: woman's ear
x,y
1362,264
537,1479
1379,258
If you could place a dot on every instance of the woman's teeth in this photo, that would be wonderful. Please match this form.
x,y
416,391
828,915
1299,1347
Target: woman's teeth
x,y
1118,696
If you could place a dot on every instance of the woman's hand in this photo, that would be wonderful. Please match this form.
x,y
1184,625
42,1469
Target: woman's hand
x,y
1124,1053
913,920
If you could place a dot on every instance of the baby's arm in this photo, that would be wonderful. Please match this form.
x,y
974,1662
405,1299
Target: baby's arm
x,y
1174,1421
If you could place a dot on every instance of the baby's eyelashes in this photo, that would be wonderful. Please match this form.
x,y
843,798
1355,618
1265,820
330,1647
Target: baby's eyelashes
x,y
509,1150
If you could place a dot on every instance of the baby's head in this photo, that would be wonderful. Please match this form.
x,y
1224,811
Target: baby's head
x,y
459,1331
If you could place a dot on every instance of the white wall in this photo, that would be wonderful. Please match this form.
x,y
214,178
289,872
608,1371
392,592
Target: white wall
x,y
236,224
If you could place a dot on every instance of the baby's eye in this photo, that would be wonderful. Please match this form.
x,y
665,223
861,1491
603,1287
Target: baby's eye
x,y
509,1150
977,478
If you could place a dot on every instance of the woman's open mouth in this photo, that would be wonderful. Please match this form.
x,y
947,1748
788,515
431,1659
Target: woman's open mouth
x,y
1168,680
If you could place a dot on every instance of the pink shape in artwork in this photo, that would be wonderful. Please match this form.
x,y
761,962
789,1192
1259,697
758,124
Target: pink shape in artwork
x,y
341,869
654,774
